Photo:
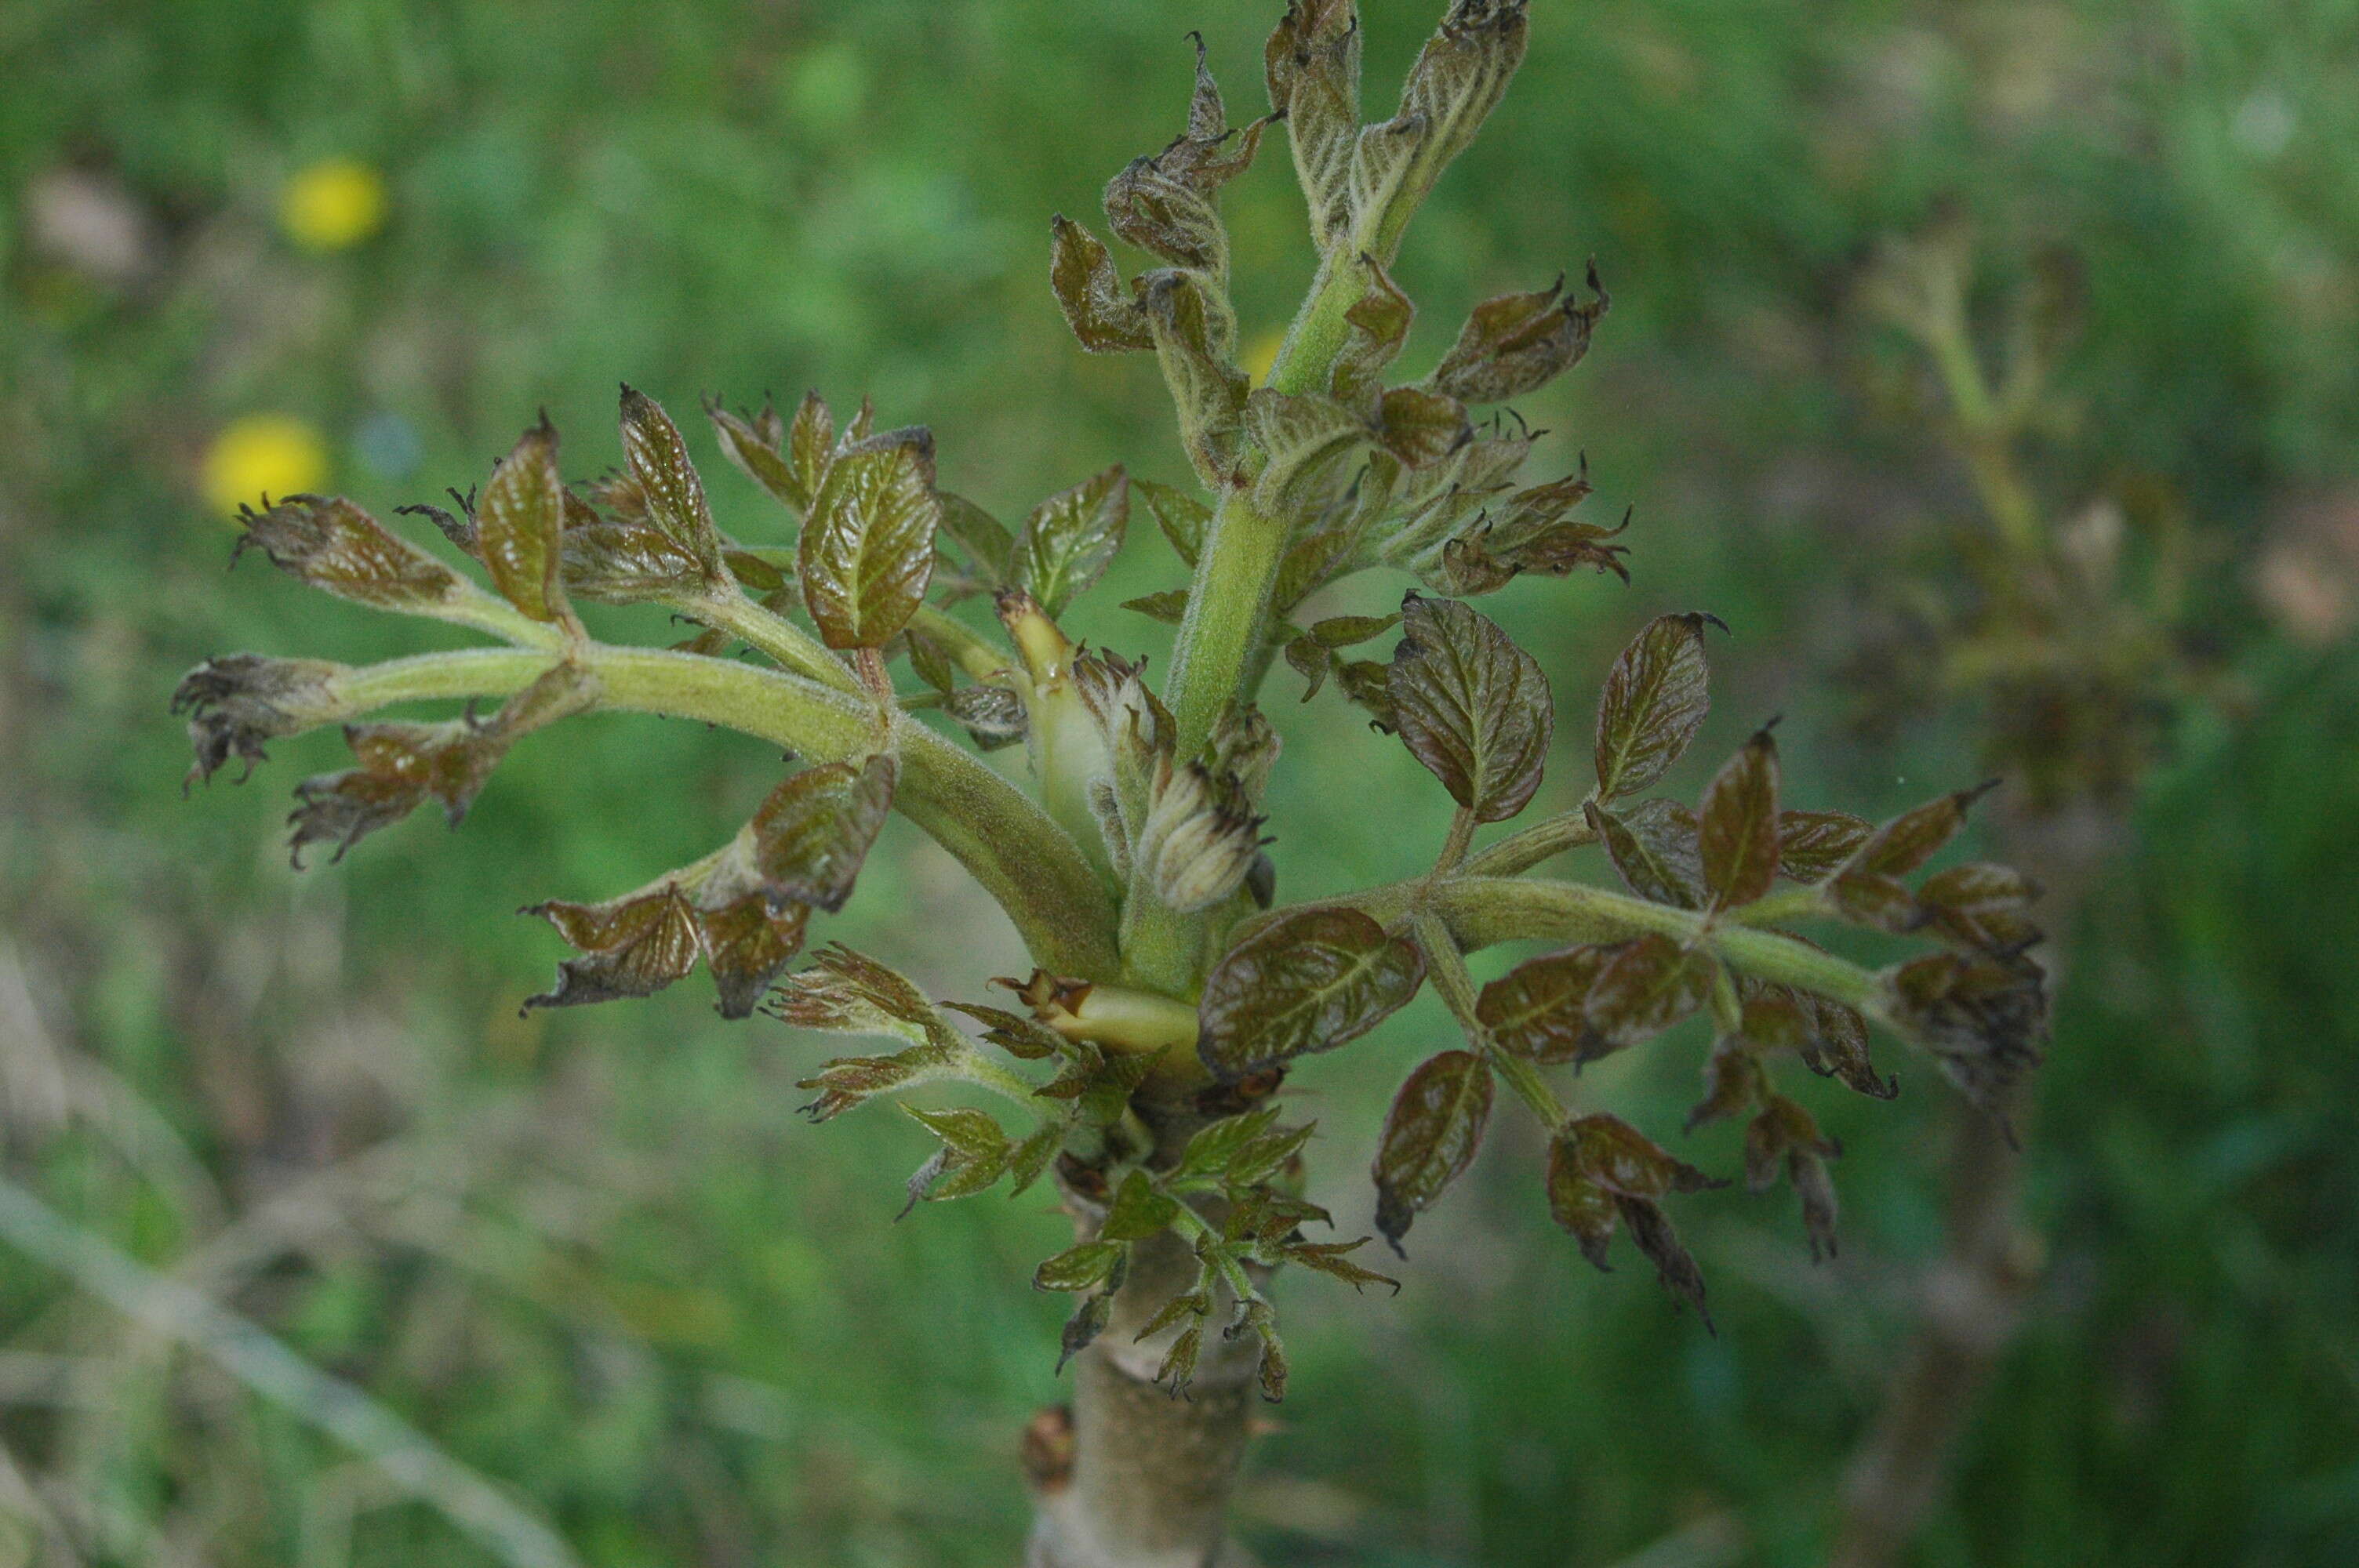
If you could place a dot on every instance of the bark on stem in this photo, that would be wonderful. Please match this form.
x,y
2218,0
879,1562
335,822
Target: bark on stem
x,y
1152,1475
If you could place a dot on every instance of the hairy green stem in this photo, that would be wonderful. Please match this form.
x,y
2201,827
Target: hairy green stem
x,y
773,635
1527,847
1446,964
1022,859
1482,911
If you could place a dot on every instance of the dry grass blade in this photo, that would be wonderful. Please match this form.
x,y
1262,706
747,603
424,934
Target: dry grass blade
x,y
267,1367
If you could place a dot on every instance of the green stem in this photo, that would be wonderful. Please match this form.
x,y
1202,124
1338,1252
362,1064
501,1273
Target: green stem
x,y
974,655
1229,600
1022,859
1446,965
772,634
1778,908
1527,847
1482,911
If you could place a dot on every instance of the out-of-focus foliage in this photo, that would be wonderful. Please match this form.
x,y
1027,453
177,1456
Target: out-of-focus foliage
x,y
598,1258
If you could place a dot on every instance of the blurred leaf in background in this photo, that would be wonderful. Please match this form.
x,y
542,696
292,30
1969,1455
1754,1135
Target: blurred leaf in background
x,y
596,1259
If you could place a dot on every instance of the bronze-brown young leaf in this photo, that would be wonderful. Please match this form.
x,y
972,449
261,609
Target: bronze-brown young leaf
x,y
1430,1134
1812,844
657,458
1654,847
815,829
1655,699
867,549
1520,343
1648,985
333,545
1089,291
1070,539
1306,981
755,446
1313,66
1471,706
1539,1010
1737,830
519,524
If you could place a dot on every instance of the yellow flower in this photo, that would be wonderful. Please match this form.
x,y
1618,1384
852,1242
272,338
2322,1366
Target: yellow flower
x,y
333,204
263,454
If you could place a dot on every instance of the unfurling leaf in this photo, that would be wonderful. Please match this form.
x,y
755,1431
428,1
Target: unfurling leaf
x,y
1655,700
850,993
810,443
1170,607
984,539
1520,343
1313,65
754,446
1982,906
1648,985
656,460
1307,437
1784,1133
630,946
1078,1268
867,548
1069,540
1328,1258
1379,322
1081,1329
237,702
1600,1169
1471,706
519,524
1624,1161
967,1134
1539,1009
849,1081
1306,981
623,558
815,829
1195,343
1089,291
1655,849
993,716
403,766
1733,1082
1812,844
1166,203
1138,1211
1458,79
1834,1042
334,545
1430,1134
1737,830
748,943
1911,838
1983,1018
1179,1369
1181,516
1419,427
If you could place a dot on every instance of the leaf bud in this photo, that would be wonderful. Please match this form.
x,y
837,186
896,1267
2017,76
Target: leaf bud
x,y
1198,841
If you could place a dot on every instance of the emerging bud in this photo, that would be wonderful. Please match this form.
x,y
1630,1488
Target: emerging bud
x,y
1200,839
1244,747
238,701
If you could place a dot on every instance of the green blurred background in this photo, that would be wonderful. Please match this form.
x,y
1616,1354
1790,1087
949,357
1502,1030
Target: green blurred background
x,y
597,1258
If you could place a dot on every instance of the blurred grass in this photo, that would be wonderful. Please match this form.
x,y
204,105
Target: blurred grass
x,y
596,1257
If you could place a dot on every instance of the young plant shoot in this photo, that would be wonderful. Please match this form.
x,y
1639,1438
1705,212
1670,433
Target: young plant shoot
x,y
1140,1066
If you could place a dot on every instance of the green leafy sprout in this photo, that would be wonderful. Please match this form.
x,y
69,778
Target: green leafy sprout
x,y
1139,1065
